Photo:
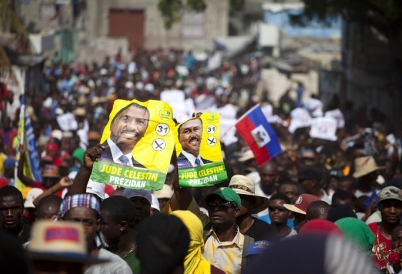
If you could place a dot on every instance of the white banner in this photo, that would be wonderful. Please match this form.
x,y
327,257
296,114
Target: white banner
x,y
323,128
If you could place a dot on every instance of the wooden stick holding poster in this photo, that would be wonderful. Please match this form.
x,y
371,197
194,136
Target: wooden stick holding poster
x,y
199,156
139,142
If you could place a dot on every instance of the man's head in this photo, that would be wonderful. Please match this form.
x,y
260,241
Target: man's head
x,y
223,207
290,189
245,188
9,167
390,205
50,176
142,200
82,208
348,184
190,135
11,206
118,213
268,174
59,247
48,207
128,126
317,210
343,198
299,209
397,238
277,212
310,177
162,244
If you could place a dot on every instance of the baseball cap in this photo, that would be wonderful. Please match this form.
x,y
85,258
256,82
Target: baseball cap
x,y
60,241
225,193
130,193
258,247
309,172
302,203
9,163
33,193
390,193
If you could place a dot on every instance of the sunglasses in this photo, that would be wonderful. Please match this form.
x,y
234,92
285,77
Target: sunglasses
x,y
273,208
221,205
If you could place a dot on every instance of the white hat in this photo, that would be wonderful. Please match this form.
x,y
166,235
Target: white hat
x,y
139,85
59,111
129,84
155,203
149,87
57,134
103,71
31,196
97,189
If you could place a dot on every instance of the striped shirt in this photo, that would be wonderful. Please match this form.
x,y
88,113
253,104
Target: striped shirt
x,y
224,255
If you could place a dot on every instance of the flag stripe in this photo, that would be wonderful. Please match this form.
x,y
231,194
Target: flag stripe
x,y
247,123
245,126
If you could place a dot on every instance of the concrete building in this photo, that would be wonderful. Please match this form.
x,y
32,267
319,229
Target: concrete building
x,y
102,27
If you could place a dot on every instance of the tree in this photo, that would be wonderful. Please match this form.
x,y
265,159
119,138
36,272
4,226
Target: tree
x,y
383,15
172,10
10,22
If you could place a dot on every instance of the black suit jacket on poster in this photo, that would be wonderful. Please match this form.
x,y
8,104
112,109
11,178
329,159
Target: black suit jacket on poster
x,y
183,162
106,155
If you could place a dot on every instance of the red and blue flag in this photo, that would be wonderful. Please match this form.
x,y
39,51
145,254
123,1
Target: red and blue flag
x,y
259,135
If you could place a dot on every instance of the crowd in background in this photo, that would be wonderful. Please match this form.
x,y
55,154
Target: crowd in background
x,y
348,190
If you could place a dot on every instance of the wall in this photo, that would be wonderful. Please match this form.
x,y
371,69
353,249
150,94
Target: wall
x,y
214,23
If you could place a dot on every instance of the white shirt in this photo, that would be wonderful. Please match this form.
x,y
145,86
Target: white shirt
x,y
192,158
116,265
116,153
259,192
325,197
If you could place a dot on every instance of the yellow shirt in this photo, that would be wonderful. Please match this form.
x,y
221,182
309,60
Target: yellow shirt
x,y
224,255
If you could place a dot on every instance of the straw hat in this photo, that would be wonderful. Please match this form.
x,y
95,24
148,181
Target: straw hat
x,y
245,186
246,155
60,241
365,165
79,112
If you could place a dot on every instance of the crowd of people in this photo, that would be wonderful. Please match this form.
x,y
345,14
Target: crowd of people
x,y
321,206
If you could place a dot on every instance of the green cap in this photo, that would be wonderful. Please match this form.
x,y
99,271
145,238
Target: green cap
x,y
225,193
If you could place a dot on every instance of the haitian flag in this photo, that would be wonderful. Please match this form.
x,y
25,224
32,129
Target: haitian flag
x,y
259,135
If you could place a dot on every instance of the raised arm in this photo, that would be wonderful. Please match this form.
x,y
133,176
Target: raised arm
x,y
20,171
64,182
82,178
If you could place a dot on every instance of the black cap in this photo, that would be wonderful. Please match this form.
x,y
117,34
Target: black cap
x,y
309,172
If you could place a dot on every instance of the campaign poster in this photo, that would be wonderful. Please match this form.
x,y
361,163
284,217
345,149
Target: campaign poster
x,y
199,156
139,143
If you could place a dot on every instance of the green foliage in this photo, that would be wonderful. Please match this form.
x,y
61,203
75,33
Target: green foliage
x,y
237,5
11,22
384,15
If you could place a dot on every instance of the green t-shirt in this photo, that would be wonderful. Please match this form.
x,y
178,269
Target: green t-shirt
x,y
132,262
